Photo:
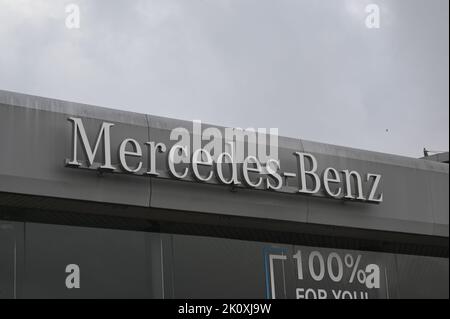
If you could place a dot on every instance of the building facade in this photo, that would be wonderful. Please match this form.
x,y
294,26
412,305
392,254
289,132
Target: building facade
x,y
94,205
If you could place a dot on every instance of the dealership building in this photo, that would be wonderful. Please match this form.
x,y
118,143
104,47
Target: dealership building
x,y
102,203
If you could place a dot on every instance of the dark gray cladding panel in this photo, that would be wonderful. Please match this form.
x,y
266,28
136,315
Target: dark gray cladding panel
x,y
36,138
112,263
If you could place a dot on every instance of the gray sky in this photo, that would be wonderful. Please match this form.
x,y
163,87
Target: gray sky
x,y
308,67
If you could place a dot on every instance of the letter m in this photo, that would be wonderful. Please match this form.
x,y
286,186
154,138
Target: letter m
x,y
79,131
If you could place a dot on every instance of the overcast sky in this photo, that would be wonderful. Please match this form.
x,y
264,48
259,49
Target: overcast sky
x,y
308,67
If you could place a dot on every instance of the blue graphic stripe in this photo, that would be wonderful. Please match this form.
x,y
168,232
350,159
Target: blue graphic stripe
x,y
267,251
